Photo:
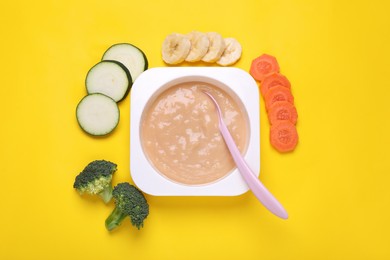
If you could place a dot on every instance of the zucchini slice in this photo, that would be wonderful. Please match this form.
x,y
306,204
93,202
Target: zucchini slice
x,y
129,55
110,78
97,114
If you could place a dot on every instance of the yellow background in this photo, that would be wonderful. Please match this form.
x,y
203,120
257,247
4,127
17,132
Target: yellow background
x,y
335,185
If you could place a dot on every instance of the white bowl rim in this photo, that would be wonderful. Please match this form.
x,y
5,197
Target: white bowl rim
x,y
147,84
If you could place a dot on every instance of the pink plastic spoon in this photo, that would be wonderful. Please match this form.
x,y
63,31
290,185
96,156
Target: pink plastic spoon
x,y
260,191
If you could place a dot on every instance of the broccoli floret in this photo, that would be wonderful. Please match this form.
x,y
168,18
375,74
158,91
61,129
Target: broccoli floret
x,y
129,201
96,178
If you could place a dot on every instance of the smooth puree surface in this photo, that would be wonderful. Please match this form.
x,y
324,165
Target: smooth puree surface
x,y
180,134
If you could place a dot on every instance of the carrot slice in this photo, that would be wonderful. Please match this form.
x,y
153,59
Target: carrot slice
x,y
273,80
284,136
282,111
278,93
262,66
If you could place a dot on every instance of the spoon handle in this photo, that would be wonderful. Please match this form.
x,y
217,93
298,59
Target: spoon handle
x,y
257,187
260,191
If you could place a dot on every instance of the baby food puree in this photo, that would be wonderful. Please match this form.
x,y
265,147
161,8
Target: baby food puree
x,y
180,134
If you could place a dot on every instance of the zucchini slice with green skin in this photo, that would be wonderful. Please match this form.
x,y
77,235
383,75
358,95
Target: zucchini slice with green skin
x,y
97,114
129,55
110,78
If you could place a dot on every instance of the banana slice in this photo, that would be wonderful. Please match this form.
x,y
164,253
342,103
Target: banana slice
x,y
175,48
232,52
216,48
199,46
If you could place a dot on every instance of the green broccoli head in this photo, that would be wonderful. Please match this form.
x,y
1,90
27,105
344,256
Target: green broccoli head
x,y
96,179
129,201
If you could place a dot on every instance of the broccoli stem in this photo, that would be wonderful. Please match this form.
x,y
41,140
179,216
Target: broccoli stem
x,y
106,194
115,219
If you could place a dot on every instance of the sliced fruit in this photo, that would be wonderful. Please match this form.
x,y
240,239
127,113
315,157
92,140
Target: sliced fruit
x,y
262,66
273,80
97,114
282,111
284,136
216,48
232,52
276,94
129,55
175,48
199,46
111,78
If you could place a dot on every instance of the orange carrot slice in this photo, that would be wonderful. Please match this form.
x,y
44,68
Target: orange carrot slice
x,y
284,136
282,111
273,80
278,93
262,66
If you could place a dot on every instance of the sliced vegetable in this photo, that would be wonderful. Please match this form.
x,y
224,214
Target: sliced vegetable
x,y
282,111
279,102
97,114
129,55
284,136
262,66
273,80
110,78
278,93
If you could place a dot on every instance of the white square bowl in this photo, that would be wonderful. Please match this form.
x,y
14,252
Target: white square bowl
x,y
154,81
